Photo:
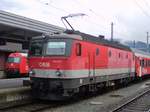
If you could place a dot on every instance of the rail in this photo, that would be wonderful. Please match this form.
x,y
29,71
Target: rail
x,y
134,105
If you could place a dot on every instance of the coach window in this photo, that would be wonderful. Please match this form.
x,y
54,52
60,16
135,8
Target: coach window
x,y
147,63
78,49
142,62
97,51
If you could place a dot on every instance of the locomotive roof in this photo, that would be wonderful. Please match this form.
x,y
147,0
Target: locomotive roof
x,y
18,54
86,37
99,40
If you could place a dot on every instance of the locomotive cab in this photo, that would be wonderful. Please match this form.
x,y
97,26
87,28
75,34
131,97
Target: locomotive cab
x,y
51,63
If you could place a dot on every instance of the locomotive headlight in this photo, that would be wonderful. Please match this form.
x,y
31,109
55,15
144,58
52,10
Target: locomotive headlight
x,y
58,73
31,73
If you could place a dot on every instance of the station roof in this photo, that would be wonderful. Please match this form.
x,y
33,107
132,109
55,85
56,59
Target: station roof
x,y
18,28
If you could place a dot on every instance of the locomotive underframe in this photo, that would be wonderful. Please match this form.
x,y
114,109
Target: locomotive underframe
x,y
61,88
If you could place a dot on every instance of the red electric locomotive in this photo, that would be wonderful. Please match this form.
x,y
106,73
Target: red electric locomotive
x,y
66,64
17,65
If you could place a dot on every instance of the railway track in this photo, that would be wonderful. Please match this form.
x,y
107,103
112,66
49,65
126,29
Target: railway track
x,y
38,105
31,106
140,103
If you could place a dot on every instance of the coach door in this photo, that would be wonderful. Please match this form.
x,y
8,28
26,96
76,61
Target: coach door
x,y
141,66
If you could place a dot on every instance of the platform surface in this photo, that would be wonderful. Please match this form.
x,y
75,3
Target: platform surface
x,y
12,83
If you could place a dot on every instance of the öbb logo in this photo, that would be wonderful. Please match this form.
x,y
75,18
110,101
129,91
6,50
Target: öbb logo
x,y
44,64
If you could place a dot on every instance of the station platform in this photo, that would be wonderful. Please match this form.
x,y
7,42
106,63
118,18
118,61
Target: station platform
x,y
12,82
15,89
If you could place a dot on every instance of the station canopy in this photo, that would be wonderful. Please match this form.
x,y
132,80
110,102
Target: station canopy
x,y
17,28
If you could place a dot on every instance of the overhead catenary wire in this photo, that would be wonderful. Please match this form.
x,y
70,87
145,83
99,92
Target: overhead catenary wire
x,y
99,16
89,9
48,4
141,8
57,8
147,4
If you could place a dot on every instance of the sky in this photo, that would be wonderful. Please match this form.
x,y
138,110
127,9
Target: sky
x,y
131,18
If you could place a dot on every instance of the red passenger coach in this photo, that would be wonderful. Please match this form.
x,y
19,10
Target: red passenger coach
x,y
70,63
17,65
142,63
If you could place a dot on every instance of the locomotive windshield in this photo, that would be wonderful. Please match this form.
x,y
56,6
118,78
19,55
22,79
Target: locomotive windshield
x,y
13,60
56,48
51,47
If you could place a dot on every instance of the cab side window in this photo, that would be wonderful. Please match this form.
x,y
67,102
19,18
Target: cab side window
x,y
78,49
